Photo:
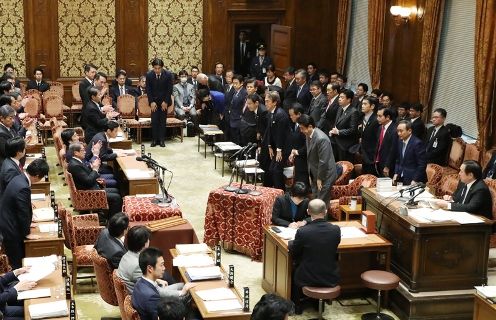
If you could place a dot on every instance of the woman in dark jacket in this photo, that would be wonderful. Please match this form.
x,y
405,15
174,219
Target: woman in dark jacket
x,y
290,209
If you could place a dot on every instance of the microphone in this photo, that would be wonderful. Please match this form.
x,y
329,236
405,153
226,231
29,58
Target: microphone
x,y
413,188
412,201
253,146
241,151
149,160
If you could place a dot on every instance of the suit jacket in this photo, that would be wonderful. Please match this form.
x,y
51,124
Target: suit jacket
x,y
437,147
282,214
115,92
304,97
257,69
347,123
9,170
84,177
418,128
94,119
106,152
159,90
369,135
320,159
328,118
138,91
298,141
5,134
490,164
44,86
16,212
178,92
7,292
110,248
478,200
290,95
317,107
242,60
145,299
83,91
213,84
237,105
387,151
261,118
411,166
191,81
316,267
277,132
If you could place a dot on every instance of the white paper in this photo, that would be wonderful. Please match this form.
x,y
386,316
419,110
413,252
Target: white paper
x,y
204,273
40,269
116,139
192,248
145,195
33,294
286,233
216,294
144,120
43,214
34,155
125,152
223,305
49,310
37,196
138,174
352,232
426,215
53,259
193,260
465,218
246,163
487,291
48,227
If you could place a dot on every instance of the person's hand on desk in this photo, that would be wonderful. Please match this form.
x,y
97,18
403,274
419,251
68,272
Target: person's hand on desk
x,y
186,287
447,197
33,237
301,223
21,270
442,204
25,285
293,225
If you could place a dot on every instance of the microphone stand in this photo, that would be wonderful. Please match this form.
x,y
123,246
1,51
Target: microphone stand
x,y
230,188
255,192
241,190
165,200
411,204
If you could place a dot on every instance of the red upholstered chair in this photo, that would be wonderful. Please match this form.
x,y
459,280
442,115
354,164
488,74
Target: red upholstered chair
x,y
144,115
120,292
33,107
85,200
126,106
341,194
63,213
131,313
456,156
4,264
434,174
491,184
344,178
77,104
171,121
104,279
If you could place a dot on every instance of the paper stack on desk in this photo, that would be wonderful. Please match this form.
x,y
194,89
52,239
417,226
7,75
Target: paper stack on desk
x,y
41,267
193,260
220,299
352,232
37,196
48,227
205,273
139,174
52,259
49,310
223,305
33,294
43,214
192,248
116,139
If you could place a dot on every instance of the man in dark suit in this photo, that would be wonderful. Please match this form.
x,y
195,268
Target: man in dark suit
x,y
219,73
275,141
159,90
387,142
145,297
418,126
236,109
320,159
259,63
7,129
106,152
314,267
472,194
193,78
438,139
361,93
87,82
110,242
345,131
410,159
368,131
298,145
490,169
290,209
291,88
94,117
318,103
312,72
121,88
141,87
38,83
303,95
15,150
16,211
243,53
253,121
330,111
88,178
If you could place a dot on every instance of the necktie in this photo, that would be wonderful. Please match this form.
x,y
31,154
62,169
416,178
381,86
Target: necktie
x,y
185,95
122,91
433,134
299,90
381,138
403,150
492,170
464,194
38,85
158,76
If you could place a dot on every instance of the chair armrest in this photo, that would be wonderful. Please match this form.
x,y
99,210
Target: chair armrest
x,y
90,199
84,220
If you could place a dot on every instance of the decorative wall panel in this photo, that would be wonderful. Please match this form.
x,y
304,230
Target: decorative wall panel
x,y
175,32
12,45
87,34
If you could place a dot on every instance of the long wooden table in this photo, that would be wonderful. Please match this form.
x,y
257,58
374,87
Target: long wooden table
x,y
356,255
483,309
136,185
213,284
122,141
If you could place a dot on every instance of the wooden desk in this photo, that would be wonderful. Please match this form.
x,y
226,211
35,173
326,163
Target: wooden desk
x,y
132,186
122,141
226,150
204,285
348,211
49,243
355,256
483,310
53,281
41,186
34,147
208,134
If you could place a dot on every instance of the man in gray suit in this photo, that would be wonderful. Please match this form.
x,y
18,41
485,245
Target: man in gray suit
x,y
320,159
184,97
318,103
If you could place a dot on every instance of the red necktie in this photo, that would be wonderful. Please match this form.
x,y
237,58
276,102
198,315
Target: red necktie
x,y
381,137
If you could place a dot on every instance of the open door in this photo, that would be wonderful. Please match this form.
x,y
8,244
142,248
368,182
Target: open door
x,y
280,47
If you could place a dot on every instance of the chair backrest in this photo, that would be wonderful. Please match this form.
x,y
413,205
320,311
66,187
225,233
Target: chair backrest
x,y
56,87
491,184
32,107
4,264
346,174
54,107
107,100
75,92
120,292
457,151
104,279
144,110
23,87
486,157
70,229
472,152
131,313
434,174
33,93
63,216
126,106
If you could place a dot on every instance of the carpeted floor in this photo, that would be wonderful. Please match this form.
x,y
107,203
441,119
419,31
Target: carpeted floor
x,y
194,177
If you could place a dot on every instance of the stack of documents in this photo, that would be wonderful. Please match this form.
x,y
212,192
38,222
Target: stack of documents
x,y
116,139
287,233
220,299
43,214
41,267
193,260
49,310
223,305
426,215
488,292
48,227
205,273
33,294
352,232
192,248
139,174
37,196
52,259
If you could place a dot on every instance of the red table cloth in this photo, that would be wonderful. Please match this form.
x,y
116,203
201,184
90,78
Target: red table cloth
x,y
142,209
237,219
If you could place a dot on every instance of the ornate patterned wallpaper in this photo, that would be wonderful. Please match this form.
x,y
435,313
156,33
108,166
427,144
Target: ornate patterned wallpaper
x,y
175,32
86,34
12,46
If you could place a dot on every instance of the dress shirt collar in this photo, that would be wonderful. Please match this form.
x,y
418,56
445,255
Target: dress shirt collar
x,y
154,283
345,108
469,185
332,99
386,126
77,159
315,98
413,119
311,134
367,117
291,82
407,140
16,161
89,80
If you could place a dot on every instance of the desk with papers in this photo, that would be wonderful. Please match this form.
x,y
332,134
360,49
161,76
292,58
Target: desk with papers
x,y
484,306
42,186
122,141
358,252
136,175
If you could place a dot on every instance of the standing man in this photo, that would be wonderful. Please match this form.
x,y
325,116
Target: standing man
x,y
242,54
303,95
315,267
328,118
320,159
313,75
361,93
291,88
438,139
387,141
94,116
318,102
159,90
38,83
418,126
194,73
236,109
410,161
89,77
16,211
345,131
219,73
368,134
15,149
259,64
298,146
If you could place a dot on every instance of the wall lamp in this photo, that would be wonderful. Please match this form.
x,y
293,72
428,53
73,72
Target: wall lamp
x,y
402,14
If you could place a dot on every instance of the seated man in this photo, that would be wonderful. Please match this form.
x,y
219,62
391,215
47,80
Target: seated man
x,y
88,178
38,82
472,194
106,152
138,239
10,286
272,307
290,209
110,242
184,98
15,149
145,297
171,308
314,267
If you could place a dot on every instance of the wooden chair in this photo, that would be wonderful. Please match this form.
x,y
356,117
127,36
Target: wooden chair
x,y
57,87
144,116
33,107
120,292
341,194
86,200
65,225
103,273
4,264
53,106
131,313
77,104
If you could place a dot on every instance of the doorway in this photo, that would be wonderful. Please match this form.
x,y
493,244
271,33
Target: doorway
x,y
255,34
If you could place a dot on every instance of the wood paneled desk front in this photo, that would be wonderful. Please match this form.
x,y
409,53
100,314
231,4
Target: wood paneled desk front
x,y
138,178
